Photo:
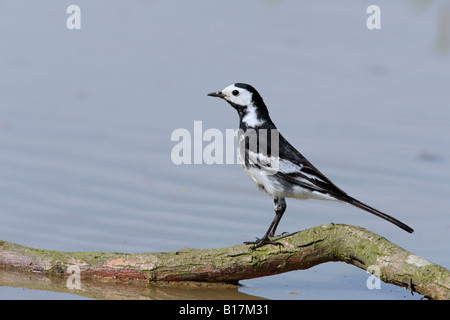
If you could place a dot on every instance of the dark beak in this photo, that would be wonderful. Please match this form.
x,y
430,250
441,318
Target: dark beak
x,y
218,94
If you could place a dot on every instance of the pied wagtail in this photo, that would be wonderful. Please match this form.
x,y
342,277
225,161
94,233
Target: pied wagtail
x,y
275,165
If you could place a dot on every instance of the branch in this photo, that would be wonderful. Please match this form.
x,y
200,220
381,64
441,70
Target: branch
x,y
301,250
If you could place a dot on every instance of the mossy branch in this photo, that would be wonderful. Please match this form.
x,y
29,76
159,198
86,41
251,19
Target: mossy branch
x,y
301,250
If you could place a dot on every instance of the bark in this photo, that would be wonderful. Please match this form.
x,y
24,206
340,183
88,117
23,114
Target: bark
x,y
301,250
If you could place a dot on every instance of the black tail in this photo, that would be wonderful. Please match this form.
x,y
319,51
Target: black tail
x,y
380,214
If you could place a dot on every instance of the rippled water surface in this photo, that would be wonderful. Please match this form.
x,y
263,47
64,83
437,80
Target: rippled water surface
x,y
86,118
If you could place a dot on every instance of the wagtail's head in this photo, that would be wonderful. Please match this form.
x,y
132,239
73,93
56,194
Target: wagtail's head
x,y
239,94
246,100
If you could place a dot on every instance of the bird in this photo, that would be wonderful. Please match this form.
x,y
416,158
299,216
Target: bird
x,y
275,166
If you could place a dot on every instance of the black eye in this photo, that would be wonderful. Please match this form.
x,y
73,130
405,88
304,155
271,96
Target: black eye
x,y
235,93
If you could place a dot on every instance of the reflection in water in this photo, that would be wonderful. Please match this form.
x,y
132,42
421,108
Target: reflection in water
x,y
123,290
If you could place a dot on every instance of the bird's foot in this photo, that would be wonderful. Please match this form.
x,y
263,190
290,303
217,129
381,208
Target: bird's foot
x,y
262,242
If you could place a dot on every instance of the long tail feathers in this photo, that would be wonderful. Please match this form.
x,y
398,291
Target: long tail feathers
x,y
380,214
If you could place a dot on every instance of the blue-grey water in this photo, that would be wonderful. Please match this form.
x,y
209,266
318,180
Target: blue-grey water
x,y
86,118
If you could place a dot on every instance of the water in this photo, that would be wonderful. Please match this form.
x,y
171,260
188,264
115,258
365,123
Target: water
x,y
86,118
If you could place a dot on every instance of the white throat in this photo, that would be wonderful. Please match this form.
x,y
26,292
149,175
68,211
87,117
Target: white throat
x,y
251,117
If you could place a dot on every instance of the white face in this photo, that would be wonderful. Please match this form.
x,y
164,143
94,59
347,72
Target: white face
x,y
237,95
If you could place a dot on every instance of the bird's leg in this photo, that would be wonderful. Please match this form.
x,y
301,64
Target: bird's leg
x,y
280,207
